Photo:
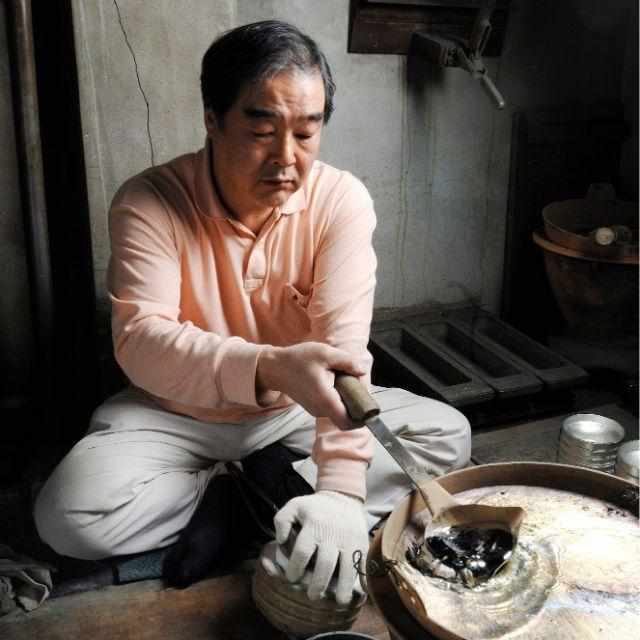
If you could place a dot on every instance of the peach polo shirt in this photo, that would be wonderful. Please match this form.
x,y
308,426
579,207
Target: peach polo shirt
x,y
195,295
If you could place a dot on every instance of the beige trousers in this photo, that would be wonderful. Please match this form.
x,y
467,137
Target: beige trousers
x,y
133,482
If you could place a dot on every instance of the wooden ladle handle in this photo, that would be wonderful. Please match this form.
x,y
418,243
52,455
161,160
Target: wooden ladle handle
x,y
362,407
436,498
359,403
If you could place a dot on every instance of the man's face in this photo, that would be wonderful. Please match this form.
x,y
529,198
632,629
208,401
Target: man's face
x,y
267,142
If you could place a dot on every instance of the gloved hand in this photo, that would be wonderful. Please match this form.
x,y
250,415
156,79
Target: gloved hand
x,y
332,525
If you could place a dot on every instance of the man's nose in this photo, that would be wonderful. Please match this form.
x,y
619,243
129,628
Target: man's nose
x,y
283,153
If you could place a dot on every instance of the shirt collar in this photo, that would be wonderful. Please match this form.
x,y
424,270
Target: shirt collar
x,y
207,197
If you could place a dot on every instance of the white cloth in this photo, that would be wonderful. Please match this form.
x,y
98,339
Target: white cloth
x,y
23,581
133,482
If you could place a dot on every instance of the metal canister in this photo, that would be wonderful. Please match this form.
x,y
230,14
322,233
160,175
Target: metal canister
x,y
628,461
590,440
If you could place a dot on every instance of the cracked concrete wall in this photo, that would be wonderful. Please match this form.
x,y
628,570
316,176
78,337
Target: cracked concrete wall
x,y
428,144
132,53
367,134
421,142
16,342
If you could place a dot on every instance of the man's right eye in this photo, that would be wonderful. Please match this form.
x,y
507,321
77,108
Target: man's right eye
x,y
262,134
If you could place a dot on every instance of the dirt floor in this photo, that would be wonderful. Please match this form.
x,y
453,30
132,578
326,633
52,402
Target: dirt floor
x,y
221,608
214,609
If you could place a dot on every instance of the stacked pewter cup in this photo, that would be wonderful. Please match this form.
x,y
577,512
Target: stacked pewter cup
x,y
628,462
590,440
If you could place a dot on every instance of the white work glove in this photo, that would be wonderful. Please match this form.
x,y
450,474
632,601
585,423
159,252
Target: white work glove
x,y
332,526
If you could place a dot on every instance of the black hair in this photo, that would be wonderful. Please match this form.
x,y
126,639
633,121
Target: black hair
x,y
254,52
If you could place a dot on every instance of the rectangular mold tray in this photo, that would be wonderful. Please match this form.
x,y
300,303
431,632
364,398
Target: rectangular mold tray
x,y
552,368
424,368
500,372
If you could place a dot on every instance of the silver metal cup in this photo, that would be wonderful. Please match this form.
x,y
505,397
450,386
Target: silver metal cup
x,y
590,440
628,461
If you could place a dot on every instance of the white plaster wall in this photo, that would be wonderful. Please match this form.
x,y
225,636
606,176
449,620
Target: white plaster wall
x,y
16,342
423,154
365,134
168,40
432,150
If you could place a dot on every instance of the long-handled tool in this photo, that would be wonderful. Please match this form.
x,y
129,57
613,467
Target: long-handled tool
x,y
445,509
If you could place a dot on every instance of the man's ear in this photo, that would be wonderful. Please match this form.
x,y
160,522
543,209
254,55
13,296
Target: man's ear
x,y
211,123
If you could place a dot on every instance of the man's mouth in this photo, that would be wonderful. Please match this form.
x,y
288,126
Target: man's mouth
x,y
277,180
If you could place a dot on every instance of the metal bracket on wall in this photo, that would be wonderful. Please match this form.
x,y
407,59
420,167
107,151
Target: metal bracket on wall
x,y
387,27
466,53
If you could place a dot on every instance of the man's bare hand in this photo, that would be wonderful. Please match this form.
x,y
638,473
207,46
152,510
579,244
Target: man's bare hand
x,y
305,372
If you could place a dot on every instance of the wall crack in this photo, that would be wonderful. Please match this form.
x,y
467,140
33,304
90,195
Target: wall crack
x,y
135,66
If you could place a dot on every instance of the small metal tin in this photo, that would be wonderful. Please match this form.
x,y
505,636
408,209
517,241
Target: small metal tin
x,y
590,428
628,461
590,440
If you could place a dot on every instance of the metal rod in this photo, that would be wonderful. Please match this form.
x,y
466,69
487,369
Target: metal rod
x,y
492,91
32,192
416,473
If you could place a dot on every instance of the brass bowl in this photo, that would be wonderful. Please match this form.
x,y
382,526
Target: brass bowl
x,y
563,558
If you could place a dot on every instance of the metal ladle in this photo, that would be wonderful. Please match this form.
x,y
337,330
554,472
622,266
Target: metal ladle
x,y
444,508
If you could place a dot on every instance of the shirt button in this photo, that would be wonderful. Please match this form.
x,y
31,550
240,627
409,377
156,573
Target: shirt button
x,y
257,265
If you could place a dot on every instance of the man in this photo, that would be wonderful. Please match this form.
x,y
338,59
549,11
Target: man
x,y
242,278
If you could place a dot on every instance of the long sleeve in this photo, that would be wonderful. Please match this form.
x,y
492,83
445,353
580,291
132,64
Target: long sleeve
x,y
196,296
157,349
340,310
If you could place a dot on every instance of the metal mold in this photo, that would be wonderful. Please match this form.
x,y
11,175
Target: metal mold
x,y
502,374
424,367
466,356
552,368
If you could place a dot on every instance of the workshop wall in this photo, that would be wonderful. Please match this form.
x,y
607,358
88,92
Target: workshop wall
x,y
140,105
429,145
432,150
